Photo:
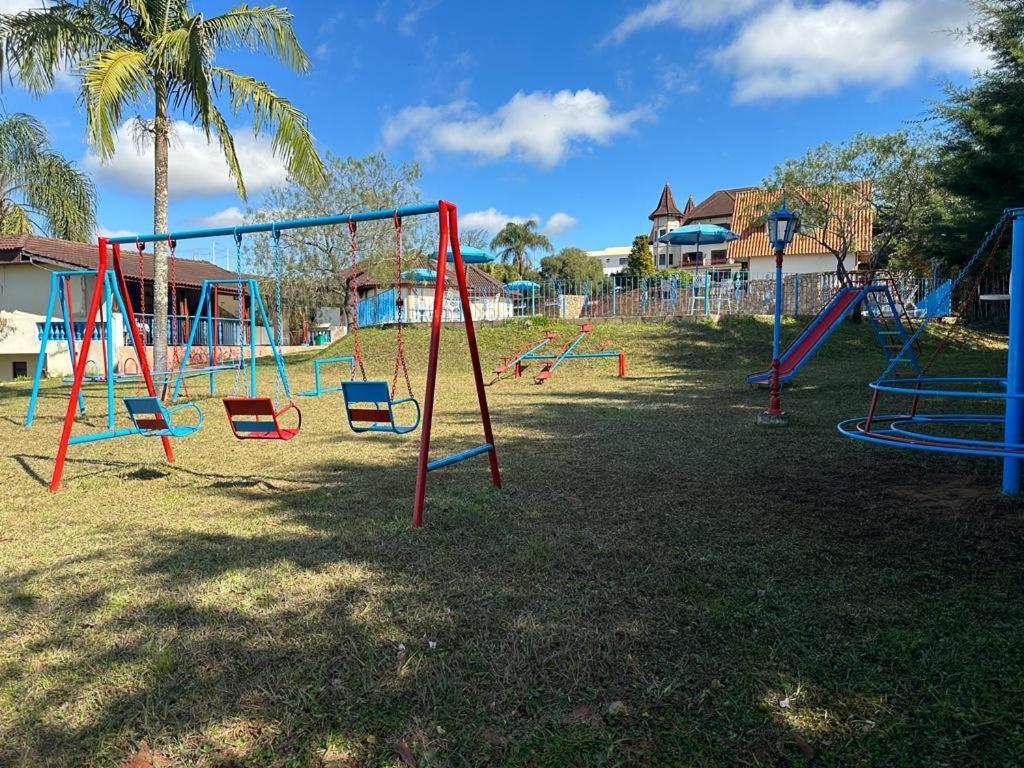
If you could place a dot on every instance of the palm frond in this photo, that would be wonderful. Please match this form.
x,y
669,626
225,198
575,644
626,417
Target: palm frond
x,y
292,141
66,197
227,145
260,28
14,219
111,80
40,43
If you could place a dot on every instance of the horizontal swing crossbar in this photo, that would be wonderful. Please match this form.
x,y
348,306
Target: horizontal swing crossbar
x,y
279,226
455,458
574,356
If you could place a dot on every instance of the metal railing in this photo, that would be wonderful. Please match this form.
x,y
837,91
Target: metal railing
x,y
716,292
229,331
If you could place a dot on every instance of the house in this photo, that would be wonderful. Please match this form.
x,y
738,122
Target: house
x,y
487,297
26,265
613,259
806,254
741,209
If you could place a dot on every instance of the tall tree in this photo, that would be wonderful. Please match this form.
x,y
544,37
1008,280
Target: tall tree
x,y
514,242
572,264
163,53
982,133
39,189
831,186
317,261
640,262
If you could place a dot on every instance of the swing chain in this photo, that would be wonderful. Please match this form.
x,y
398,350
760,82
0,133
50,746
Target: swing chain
x,y
399,307
141,321
354,287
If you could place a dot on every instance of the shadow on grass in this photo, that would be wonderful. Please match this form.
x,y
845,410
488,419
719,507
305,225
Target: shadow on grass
x,y
657,576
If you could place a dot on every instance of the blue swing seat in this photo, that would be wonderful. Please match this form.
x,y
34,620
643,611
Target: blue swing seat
x,y
359,395
151,418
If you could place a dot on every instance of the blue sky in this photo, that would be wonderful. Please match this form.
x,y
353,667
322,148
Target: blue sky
x,y
574,113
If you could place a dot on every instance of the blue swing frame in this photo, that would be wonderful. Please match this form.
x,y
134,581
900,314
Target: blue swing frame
x,y
379,418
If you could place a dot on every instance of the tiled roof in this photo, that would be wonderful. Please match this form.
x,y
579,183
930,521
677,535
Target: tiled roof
x,y
64,253
717,205
748,222
666,205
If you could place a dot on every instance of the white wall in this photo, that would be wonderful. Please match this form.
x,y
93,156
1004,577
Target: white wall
x,y
763,266
21,344
26,288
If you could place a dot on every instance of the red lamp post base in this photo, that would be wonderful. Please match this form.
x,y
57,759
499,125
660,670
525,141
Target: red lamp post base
x,y
774,416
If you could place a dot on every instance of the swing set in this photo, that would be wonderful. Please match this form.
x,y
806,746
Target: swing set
x,y
370,405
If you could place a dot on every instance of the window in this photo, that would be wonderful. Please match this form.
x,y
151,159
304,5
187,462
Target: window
x,y
661,232
622,260
670,259
19,369
661,260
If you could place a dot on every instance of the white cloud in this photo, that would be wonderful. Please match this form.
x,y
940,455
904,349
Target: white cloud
x,y
197,166
795,51
559,223
17,6
322,51
490,220
229,217
682,14
417,10
104,232
539,127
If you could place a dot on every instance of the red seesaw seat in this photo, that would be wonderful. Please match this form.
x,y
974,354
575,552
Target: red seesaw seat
x,y
254,418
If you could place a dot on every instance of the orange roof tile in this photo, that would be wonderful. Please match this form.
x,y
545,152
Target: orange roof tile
x,y
748,222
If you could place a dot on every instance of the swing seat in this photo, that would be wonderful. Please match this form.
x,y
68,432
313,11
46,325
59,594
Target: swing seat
x,y
381,416
151,418
254,418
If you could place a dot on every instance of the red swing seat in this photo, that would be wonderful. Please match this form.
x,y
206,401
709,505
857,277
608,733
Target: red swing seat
x,y
254,418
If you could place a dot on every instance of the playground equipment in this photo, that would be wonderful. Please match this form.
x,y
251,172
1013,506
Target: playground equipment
x,y
257,418
109,261
923,431
60,293
357,394
110,285
889,320
318,386
514,361
261,414
535,351
151,418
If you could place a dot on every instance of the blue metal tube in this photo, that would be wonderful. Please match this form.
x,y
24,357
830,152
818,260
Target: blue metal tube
x,y
1013,431
37,379
777,329
245,229
204,293
574,356
69,334
454,458
101,436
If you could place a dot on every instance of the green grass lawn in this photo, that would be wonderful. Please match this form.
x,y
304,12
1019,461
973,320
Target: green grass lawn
x,y
661,582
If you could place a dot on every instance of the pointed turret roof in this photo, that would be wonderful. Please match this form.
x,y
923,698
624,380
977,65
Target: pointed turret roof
x,y
689,206
666,205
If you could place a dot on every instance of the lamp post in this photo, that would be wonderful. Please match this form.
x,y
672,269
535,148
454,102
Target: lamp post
x,y
780,227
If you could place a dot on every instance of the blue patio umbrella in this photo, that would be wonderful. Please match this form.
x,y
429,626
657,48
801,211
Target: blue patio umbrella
x,y
698,234
420,275
525,285
471,255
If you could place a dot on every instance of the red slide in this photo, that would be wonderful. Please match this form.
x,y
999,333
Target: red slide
x,y
813,336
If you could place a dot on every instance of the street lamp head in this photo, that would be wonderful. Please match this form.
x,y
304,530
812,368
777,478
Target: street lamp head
x,y
780,227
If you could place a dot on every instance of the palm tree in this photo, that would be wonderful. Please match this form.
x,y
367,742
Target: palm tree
x,y
515,240
161,52
40,190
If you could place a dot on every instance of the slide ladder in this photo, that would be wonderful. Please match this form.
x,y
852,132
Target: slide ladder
x,y
893,325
